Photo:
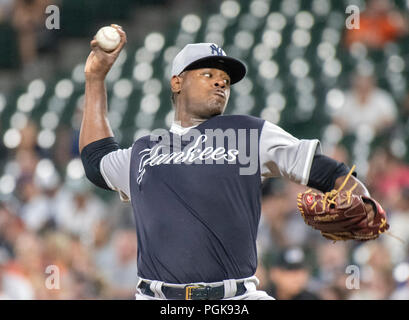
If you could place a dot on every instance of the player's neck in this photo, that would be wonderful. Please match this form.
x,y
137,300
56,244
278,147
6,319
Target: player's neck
x,y
189,123
185,119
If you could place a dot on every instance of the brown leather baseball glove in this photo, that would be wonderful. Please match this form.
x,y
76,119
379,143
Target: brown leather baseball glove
x,y
341,215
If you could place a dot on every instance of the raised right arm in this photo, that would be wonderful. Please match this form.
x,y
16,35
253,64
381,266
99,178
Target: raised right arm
x,y
95,125
104,163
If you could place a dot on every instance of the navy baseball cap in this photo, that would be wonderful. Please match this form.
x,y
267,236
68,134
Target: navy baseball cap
x,y
208,55
292,258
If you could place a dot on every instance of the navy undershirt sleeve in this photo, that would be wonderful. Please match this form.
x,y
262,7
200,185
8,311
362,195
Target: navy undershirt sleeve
x,y
91,157
324,171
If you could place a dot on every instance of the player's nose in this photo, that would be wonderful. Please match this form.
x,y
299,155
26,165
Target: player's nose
x,y
220,83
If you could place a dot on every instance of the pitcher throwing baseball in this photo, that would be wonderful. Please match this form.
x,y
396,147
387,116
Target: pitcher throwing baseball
x,y
195,189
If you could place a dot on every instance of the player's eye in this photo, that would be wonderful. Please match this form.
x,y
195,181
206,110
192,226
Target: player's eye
x,y
226,81
207,74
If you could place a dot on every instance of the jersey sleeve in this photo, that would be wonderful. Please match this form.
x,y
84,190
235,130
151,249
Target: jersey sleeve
x,y
115,169
281,154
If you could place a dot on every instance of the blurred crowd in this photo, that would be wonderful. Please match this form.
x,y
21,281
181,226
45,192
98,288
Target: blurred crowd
x,y
55,218
58,238
379,24
22,23
66,238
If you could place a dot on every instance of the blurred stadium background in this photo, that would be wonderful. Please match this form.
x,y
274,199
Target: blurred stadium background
x,y
306,73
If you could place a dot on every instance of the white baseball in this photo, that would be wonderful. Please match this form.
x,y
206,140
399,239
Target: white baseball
x,y
108,38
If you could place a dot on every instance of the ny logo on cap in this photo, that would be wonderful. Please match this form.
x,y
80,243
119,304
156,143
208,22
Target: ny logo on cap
x,y
216,50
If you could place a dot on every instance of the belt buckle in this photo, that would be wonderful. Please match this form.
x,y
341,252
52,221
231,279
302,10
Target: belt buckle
x,y
188,291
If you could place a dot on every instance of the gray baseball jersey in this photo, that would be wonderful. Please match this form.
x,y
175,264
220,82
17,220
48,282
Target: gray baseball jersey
x,y
196,194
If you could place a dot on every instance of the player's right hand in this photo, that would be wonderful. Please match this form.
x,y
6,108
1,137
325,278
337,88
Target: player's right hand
x,y
100,62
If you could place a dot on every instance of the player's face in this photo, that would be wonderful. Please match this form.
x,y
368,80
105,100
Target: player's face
x,y
205,92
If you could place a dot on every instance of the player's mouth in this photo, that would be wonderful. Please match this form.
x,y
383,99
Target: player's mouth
x,y
220,93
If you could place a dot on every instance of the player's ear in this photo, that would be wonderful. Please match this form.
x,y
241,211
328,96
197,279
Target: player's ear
x,y
176,84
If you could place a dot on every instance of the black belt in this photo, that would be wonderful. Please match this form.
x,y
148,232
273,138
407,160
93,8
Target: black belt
x,y
191,292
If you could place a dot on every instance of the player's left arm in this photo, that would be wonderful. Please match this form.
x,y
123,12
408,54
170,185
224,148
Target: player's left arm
x,y
302,161
283,155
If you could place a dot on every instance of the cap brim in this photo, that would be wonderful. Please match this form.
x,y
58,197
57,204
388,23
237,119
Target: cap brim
x,y
292,266
233,67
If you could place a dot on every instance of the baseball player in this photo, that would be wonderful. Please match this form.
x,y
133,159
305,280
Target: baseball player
x,y
196,197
